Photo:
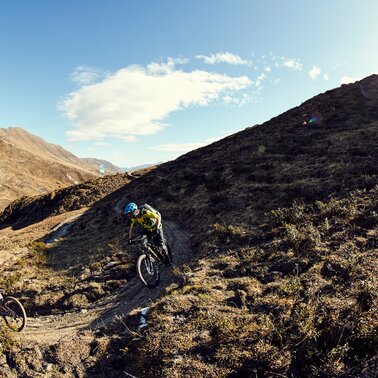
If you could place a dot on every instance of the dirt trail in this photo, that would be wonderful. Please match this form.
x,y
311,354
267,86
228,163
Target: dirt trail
x,y
52,328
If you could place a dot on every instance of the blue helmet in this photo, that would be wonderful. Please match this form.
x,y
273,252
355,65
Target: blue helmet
x,y
131,207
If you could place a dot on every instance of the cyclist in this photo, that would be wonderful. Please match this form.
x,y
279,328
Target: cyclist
x,y
150,220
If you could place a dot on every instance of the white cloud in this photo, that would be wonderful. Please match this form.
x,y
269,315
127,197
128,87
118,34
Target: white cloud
x,y
84,75
223,58
348,79
352,79
315,72
267,69
293,64
281,61
239,101
325,77
136,100
260,80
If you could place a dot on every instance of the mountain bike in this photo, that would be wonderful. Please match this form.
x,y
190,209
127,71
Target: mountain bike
x,y
148,261
13,313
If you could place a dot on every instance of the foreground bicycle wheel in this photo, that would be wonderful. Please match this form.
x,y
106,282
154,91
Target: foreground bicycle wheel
x,y
14,314
148,270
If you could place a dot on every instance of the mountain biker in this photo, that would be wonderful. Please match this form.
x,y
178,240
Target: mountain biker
x,y
150,220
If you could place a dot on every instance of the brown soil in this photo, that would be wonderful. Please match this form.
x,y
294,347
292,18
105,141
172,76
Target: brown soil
x,y
50,329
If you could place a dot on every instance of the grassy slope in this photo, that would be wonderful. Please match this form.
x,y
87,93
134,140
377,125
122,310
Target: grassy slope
x,y
230,181
69,273
28,210
278,287
299,301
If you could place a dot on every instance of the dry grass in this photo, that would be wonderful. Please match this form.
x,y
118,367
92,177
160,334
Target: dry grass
x,y
285,277
303,302
7,341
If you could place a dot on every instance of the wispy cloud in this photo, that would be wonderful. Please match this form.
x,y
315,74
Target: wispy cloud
x,y
84,75
282,61
259,81
293,64
245,98
315,72
136,100
225,57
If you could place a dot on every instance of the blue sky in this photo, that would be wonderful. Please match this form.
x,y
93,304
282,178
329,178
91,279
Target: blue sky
x,y
144,81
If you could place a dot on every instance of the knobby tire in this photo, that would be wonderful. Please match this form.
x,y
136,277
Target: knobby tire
x,y
16,318
148,270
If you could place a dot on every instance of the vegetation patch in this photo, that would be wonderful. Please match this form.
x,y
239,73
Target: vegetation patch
x,y
302,302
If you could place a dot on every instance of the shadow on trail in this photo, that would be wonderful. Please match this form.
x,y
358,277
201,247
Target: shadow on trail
x,y
30,210
134,296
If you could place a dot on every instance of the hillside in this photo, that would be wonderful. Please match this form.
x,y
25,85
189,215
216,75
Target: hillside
x,y
29,210
282,279
240,178
31,166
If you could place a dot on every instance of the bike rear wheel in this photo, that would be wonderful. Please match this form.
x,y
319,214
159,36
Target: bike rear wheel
x,y
148,270
14,314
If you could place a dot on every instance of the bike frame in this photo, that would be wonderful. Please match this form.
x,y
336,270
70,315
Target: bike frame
x,y
149,248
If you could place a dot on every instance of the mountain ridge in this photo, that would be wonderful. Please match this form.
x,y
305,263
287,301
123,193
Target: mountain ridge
x,y
30,165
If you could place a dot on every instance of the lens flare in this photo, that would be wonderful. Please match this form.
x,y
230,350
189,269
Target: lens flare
x,y
369,92
313,120
261,149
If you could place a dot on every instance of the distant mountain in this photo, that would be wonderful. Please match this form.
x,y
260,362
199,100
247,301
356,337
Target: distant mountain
x,y
30,166
109,167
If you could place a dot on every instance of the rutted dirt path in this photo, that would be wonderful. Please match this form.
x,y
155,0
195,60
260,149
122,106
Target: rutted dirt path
x,y
52,328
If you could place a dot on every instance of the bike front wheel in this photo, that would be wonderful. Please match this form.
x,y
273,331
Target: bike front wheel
x,y
148,270
14,314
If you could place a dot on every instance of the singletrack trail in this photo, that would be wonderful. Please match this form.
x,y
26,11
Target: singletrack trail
x,y
52,328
